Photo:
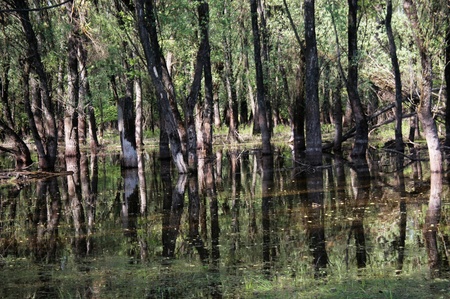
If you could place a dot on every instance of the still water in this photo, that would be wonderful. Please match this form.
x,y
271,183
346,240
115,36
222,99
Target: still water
x,y
245,226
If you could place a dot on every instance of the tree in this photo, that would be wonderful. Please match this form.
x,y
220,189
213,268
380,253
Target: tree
x,y
361,137
426,84
207,111
313,128
262,114
146,24
398,80
46,137
447,78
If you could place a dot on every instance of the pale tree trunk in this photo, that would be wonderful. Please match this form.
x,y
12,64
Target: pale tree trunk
x,y
217,120
71,116
424,109
447,79
431,226
138,103
337,106
262,113
313,130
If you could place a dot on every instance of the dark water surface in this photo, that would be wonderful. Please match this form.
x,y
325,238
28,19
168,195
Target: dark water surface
x,y
246,226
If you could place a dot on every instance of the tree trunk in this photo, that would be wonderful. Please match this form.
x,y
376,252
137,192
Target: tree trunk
x,y
298,113
265,49
138,99
361,136
447,79
146,23
313,129
229,80
398,80
71,116
337,103
207,113
262,113
127,131
217,120
20,150
424,109
47,158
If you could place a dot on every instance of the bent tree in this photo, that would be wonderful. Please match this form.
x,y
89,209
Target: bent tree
x,y
147,28
46,136
424,108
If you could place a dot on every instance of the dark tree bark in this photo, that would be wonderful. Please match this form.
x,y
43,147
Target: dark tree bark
x,y
20,150
208,105
127,131
85,107
4,97
262,113
313,129
46,140
424,108
398,80
265,49
361,136
298,111
146,23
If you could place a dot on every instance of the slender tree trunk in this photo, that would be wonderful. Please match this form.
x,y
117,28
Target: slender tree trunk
x,y
313,129
229,80
361,136
146,23
217,120
138,102
83,91
447,79
337,103
262,113
298,112
4,89
47,160
398,80
424,109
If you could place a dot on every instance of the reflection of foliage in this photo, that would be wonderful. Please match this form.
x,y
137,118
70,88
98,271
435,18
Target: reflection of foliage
x,y
115,258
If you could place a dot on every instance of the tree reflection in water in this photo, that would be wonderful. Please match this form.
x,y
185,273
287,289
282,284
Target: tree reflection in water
x,y
361,192
436,261
244,220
